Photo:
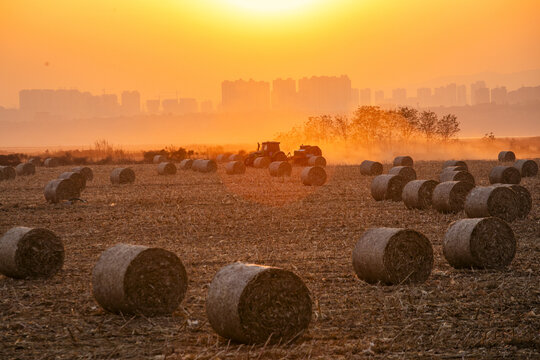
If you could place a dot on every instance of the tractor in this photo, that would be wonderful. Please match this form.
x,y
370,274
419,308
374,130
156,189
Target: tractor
x,y
269,149
302,156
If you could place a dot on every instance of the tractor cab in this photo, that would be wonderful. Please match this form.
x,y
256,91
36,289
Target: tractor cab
x,y
270,147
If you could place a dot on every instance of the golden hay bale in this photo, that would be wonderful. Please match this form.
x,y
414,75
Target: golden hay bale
x,y
387,187
77,178
262,162
158,159
313,176
30,253
280,168
166,168
406,172
7,173
454,168
368,167
316,161
204,166
485,243
449,163
134,279
418,194
186,164
252,304
36,161
85,171
61,189
122,176
221,158
507,156
498,201
523,197
403,161
449,196
527,168
393,256
456,176
504,175
235,168
236,157
51,162
25,169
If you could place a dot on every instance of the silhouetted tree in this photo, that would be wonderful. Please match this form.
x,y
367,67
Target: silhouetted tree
x,y
447,127
427,124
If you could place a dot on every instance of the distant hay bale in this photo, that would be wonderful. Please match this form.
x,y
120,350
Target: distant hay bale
x,y
166,168
454,168
51,162
280,168
7,173
449,196
36,161
403,161
449,163
30,253
316,161
85,171
393,256
186,164
418,194
387,187
406,172
507,156
313,176
25,169
370,168
133,279
158,159
76,177
456,176
498,201
204,166
527,168
253,304
122,176
523,197
485,243
236,157
61,189
262,162
235,168
221,158
504,175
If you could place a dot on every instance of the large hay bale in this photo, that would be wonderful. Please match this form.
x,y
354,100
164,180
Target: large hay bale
x,y
166,168
387,187
527,168
313,176
25,169
449,196
449,163
524,199
186,164
84,171
236,157
76,177
504,175
280,168
454,168
134,279
7,173
406,172
507,156
316,161
262,162
484,243
158,159
393,256
456,176
61,189
30,253
499,201
204,165
368,167
51,162
36,161
418,194
122,176
235,168
253,304
403,161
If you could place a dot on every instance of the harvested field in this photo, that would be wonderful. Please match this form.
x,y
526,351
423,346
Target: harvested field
x,y
211,220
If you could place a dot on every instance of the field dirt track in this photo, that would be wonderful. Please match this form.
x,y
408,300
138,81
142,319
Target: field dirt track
x,y
211,220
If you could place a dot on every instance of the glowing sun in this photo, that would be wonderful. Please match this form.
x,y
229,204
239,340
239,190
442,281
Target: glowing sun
x,y
271,6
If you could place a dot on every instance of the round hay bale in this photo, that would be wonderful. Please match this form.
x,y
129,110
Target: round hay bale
x,y
527,168
418,194
449,196
221,158
236,157
186,164
370,168
486,243
387,187
204,166
25,169
313,176
122,176
85,171
134,279
51,162
253,304
316,161
499,201
7,173
403,161
235,168
507,156
36,161
504,175
456,176
262,162
454,168
61,189
393,256
158,159
449,163
166,168
76,177
280,168
524,199
30,253
406,172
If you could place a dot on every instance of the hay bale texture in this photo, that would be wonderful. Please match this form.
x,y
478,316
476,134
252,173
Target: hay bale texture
x,y
61,189
449,163
84,171
370,168
51,162
523,197
77,178
36,161
262,162
507,156
25,169
316,161
485,243
204,166
236,157
406,172
457,176
134,279
30,253
449,196
221,158
454,168
504,175
122,176
7,173
158,159
418,194
280,168
166,168
186,164
403,161
393,256
313,176
235,168
387,187
498,201
527,168
253,304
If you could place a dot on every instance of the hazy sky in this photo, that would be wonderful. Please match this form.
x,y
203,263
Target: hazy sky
x,y
161,47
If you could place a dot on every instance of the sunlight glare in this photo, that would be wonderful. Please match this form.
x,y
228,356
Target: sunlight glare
x,y
271,6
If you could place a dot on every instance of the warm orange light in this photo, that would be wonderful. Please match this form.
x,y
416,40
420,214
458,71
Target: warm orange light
x,y
271,6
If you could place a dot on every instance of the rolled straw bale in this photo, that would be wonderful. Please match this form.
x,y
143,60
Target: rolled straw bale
x,y
507,156
262,162
504,175
524,199
403,161
316,161
221,158
235,168
122,176
29,253
479,243
51,162
387,187
251,304
25,169
36,161
166,168
204,165
280,168
84,171
76,177
454,168
7,173
393,256
158,159
449,196
61,189
499,201
236,157
449,163
406,172
313,176
527,168
456,176
368,167
418,194
134,279
186,164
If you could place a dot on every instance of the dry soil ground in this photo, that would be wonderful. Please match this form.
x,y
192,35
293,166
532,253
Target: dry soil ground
x,y
211,220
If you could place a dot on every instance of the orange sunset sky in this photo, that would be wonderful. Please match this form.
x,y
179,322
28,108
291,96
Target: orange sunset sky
x,y
190,46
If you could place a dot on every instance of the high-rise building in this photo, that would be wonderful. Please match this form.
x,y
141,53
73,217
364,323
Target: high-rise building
x,y
450,95
365,97
399,96
481,96
424,97
131,103
461,95
170,106
152,106
474,88
241,95
284,96
187,106
326,94
379,97
499,95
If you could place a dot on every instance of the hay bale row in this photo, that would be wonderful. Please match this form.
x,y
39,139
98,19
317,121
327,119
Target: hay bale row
x,y
25,169
504,175
280,168
485,201
262,162
158,159
235,168
406,172
507,156
370,168
313,176
204,166
85,171
526,168
7,173
122,176
166,168
316,161
51,162
449,196
185,164
456,176
452,163
403,161
418,194
387,187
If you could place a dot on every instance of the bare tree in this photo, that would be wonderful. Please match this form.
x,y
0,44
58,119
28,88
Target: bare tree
x,y
447,127
427,124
